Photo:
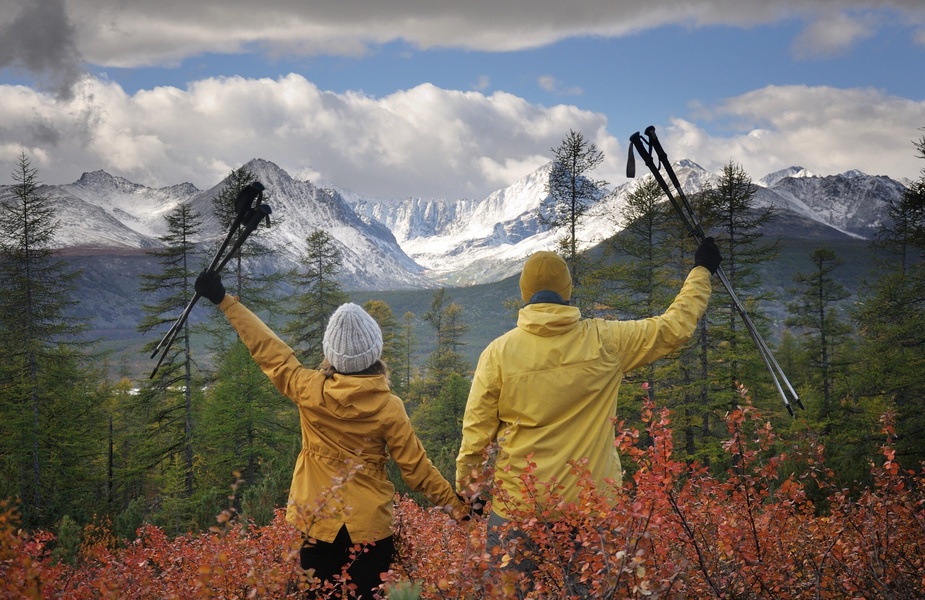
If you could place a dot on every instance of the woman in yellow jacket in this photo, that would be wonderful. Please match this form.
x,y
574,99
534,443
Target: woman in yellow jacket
x,y
549,386
351,423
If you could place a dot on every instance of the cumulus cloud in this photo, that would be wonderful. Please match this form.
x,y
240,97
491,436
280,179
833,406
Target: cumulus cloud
x,y
424,141
149,32
427,141
825,130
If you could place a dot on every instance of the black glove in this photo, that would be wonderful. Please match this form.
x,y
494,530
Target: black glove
x,y
209,285
707,255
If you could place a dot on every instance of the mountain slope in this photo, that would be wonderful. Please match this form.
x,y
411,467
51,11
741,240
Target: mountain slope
x,y
417,243
372,258
464,242
100,214
99,210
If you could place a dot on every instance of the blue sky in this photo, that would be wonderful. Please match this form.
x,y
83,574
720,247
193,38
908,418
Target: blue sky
x,y
400,98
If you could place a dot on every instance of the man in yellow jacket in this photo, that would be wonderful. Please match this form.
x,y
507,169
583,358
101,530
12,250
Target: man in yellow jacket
x,y
548,388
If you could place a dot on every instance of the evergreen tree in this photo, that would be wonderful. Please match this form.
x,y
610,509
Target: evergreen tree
x,y
381,312
572,192
167,400
815,312
406,344
316,296
248,427
445,316
730,210
891,323
437,400
50,422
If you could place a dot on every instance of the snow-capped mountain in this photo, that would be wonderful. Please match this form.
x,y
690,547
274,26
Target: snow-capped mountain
x,y
771,179
101,213
417,243
372,258
99,210
852,202
462,242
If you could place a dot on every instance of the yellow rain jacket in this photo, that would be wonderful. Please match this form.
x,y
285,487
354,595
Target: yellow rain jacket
x,y
549,388
350,424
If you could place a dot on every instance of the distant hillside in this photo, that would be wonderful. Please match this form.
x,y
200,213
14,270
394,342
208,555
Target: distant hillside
x,y
401,251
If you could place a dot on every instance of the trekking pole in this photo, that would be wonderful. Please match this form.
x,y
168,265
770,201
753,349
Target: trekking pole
x,y
254,216
243,204
686,212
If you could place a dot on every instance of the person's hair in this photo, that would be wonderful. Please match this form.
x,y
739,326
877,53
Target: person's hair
x,y
377,368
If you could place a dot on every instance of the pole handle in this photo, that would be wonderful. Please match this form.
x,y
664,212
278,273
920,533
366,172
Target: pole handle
x,y
246,211
645,148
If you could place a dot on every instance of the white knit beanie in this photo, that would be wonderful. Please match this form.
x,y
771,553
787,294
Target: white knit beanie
x,y
352,340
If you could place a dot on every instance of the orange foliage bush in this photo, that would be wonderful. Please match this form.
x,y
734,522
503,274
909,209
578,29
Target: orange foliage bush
x,y
674,531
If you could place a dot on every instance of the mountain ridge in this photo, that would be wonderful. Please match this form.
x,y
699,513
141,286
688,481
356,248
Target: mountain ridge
x,y
418,243
401,250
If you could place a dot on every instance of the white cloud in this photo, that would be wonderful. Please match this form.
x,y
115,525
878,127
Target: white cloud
x,y
424,141
825,130
483,83
548,83
427,141
554,86
146,32
833,35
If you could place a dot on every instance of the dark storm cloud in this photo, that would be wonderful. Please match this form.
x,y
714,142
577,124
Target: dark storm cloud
x,y
40,39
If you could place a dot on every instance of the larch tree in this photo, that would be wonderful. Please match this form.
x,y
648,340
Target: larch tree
x,y
445,316
406,344
815,313
649,259
240,281
438,399
637,270
571,194
382,313
317,294
732,213
438,422
168,398
50,421
248,427
890,317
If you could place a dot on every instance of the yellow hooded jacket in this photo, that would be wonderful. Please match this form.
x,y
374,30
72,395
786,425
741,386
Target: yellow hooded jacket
x,y
549,388
350,424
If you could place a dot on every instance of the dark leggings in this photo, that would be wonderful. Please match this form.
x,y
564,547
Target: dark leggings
x,y
329,558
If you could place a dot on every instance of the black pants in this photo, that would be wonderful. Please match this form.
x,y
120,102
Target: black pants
x,y
329,558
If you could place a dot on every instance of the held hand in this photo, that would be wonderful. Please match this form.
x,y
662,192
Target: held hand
x,y
707,255
209,285
476,506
